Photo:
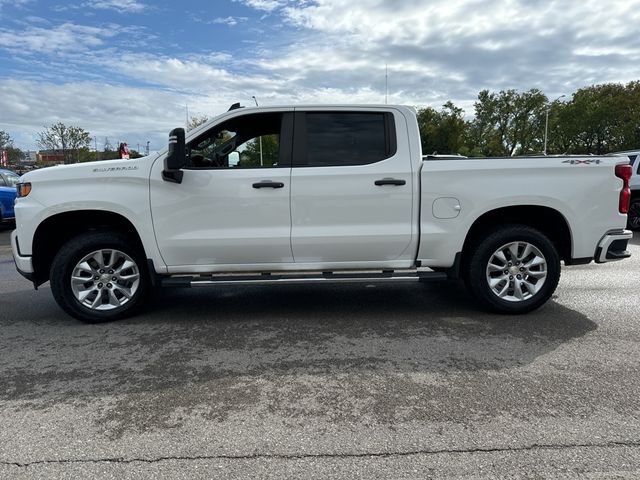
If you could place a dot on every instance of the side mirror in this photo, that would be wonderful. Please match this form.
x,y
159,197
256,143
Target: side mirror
x,y
176,157
234,159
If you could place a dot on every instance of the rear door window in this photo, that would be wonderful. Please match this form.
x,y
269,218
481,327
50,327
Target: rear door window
x,y
326,139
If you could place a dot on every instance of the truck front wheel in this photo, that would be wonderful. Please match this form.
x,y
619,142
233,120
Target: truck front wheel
x,y
99,276
513,270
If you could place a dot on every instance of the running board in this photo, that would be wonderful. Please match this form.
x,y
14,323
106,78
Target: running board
x,y
287,279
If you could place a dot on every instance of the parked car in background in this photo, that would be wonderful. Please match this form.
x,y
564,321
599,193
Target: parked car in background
x,y
8,181
633,221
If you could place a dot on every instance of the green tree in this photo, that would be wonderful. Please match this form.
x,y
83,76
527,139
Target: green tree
x,y
453,128
5,140
444,131
509,122
429,123
108,152
599,119
196,121
14,154
135,154
631,109
69,140
560,139
250,156
84,154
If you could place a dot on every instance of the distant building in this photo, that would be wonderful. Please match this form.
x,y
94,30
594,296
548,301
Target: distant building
x,y
50,156
30,158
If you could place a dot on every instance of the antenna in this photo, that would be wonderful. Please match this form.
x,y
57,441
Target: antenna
x,y
386,82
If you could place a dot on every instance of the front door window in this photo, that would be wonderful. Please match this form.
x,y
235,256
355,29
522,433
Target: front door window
x,y
251,141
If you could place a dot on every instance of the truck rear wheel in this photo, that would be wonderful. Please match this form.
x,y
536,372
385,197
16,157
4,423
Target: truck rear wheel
x,y
513,270
633,217
99,277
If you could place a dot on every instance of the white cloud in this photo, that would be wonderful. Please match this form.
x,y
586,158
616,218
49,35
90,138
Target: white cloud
x,y
65,37
136,115
443,49
129,6
14,3
120,113
230,21
265,5
412,22
334,51
30,19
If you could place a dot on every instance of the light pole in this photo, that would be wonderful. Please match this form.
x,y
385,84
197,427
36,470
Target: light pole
x,y
546,123
256,100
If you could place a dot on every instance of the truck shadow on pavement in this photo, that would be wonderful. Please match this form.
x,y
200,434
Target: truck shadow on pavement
x,y
277,350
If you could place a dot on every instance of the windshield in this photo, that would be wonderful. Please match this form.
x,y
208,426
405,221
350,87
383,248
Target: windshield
x,y
11,179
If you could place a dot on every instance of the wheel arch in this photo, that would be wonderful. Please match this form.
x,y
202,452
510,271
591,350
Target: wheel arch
x,y
56,230
547,220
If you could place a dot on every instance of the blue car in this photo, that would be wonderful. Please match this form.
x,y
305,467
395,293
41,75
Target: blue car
x,y
8,182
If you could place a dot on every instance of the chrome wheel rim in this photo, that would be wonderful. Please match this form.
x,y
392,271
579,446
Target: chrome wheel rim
x,y
105,279
516,271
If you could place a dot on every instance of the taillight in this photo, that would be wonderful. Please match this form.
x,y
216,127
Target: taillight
x,y
624,172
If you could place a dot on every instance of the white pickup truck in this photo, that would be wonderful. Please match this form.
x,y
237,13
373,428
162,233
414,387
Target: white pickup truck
x,y
314,194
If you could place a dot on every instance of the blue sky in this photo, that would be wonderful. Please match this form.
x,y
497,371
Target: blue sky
x,y
125,69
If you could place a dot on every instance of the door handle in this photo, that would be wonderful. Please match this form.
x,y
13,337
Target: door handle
x,y
268,184
390,181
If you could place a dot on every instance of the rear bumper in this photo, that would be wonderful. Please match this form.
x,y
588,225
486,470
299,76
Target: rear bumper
x,y
613,246
23,263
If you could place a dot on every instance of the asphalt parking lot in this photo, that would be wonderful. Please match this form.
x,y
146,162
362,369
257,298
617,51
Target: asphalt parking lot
x,y
397,381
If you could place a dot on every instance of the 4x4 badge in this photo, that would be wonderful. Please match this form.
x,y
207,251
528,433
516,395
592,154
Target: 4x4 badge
x,y
583,162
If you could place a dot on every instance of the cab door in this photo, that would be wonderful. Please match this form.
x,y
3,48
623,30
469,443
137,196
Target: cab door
x,y
351,188
232,208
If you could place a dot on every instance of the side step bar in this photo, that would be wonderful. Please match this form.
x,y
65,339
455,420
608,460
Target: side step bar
x,y
287,279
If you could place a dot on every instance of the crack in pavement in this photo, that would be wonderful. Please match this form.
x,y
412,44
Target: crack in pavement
x,y
262,456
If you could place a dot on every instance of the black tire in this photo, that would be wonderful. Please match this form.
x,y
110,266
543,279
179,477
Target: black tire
x,y
75,250
481,252
633,217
